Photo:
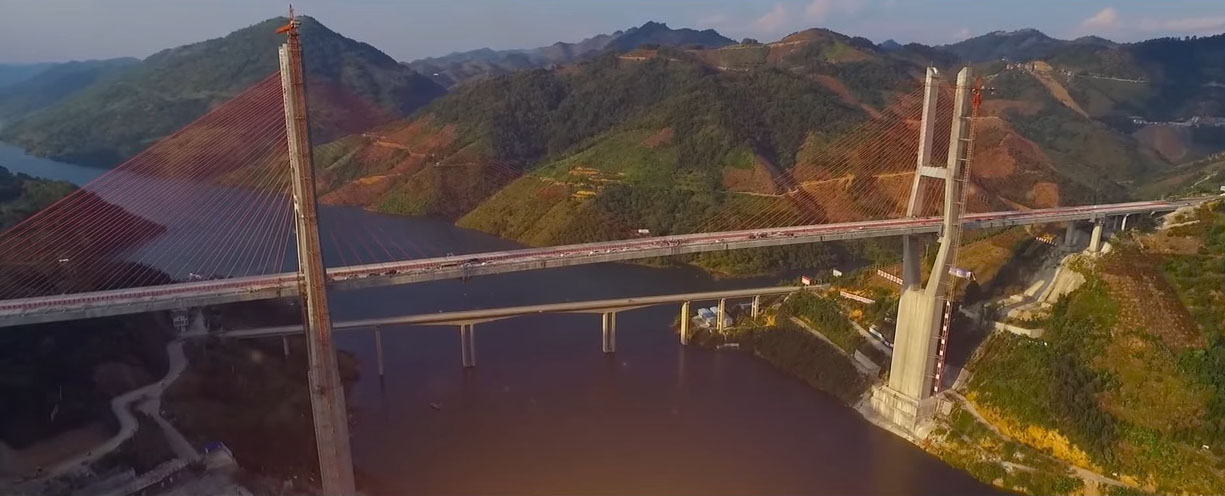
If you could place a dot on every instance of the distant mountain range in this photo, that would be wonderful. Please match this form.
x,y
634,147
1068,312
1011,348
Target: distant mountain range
x,y
35,90
114,110
1019,45
461,67
1060,114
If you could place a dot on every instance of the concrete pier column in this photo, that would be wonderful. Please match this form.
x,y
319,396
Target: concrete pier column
x,y
756,308
467,344
285,345
1095,242
1123,227
378,349
609,320
722,312
685,323
1069,237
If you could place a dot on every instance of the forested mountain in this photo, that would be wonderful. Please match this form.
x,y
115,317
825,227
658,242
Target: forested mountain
x,y
667,140
55,82
352,87
456,68
1019,45
22,195
1165,94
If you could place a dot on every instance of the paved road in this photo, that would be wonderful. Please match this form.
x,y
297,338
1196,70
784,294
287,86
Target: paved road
x,y
871,339
127,421
203,293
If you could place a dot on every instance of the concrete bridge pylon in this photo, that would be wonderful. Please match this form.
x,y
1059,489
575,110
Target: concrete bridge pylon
x,y
327,394
906,399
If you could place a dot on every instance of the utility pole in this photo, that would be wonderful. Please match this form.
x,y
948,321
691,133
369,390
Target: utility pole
x,y
326,392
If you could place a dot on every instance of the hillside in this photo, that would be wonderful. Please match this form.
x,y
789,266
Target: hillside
x,y
16,73
462,67
1020,45
54,83
1165,92
671,141
352,87
22,195
1127,379
1105,161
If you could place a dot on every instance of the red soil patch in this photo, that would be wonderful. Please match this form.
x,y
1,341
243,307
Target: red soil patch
x,y
1044,195
662,137
998,107
1171,143
759,179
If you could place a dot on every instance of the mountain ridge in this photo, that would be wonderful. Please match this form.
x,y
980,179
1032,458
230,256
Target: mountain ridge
x,y
460,67
357,86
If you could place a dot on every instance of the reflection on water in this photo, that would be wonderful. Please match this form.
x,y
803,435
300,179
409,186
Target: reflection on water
x,y
545,412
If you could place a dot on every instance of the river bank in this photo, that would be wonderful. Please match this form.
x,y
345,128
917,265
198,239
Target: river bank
x,y
960,436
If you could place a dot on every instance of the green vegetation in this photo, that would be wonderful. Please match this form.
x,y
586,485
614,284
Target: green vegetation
x,y
972,446
73,369
55,83
251,397
1086,151
1129,375
797,353
353,87
1199,277
22,196
824,315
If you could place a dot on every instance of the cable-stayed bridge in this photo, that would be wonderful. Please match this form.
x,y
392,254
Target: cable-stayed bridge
x,y
224,210
213,292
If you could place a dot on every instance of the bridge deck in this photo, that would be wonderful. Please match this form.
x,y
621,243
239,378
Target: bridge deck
x,y
214,292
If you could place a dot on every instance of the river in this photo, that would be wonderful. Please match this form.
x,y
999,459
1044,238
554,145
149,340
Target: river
x,y
545,412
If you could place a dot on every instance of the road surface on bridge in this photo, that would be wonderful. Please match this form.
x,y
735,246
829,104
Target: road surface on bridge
x,y
220,291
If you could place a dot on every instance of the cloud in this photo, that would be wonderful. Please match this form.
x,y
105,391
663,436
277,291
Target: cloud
x,y
1187,25
1109,20
772,21
1105,19
820,10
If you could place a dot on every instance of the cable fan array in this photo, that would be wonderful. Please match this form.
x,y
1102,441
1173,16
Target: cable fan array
x,y
210,200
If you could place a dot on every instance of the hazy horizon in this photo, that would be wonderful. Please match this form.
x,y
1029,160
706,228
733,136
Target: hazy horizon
x,y
33,31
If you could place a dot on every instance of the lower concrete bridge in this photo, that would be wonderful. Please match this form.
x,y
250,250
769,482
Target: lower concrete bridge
x,y
466,320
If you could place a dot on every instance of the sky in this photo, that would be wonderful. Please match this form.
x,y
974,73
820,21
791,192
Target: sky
x,y
58,30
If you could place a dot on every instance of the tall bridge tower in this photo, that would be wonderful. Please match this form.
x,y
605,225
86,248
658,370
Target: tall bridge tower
x,y
326,391
906,400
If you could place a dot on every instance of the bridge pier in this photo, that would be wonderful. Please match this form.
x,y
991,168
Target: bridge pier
x,y
684,323
1123,226
756,308
285,345
378,349
1069,236
1095,242
906,400
609,320
719,325
467,344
